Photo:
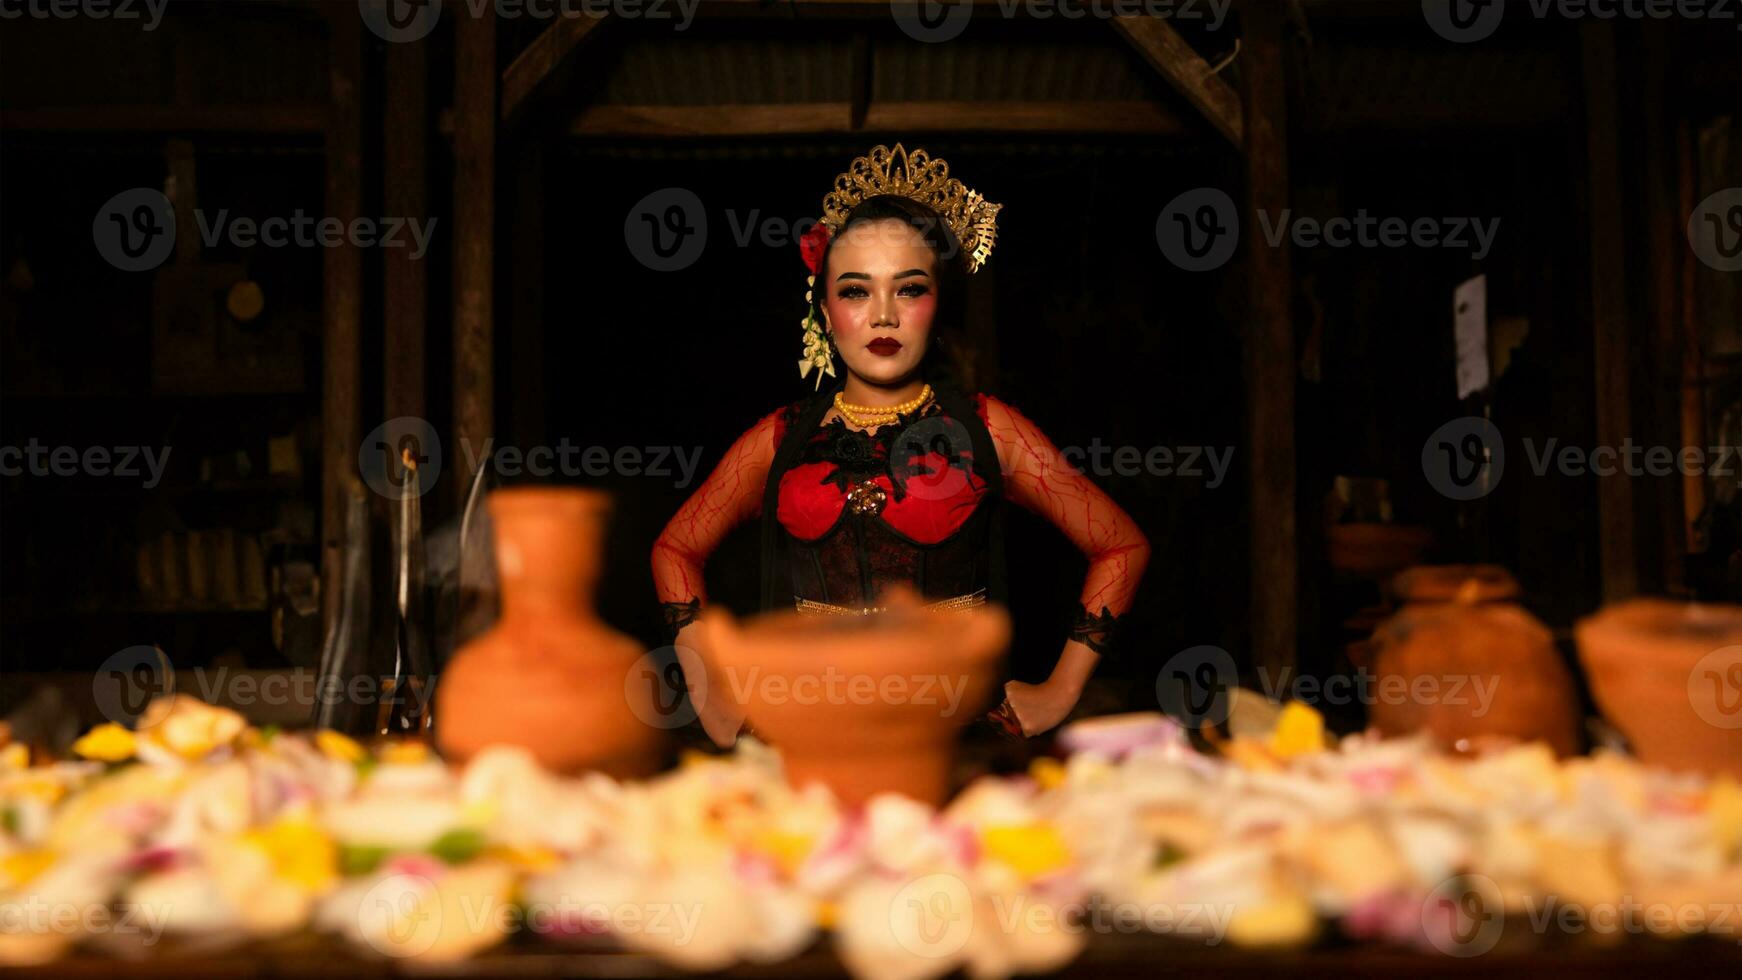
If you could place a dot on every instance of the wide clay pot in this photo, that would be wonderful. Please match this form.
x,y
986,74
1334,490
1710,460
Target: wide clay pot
x,y
862,704
1464,662
1669,675
550,675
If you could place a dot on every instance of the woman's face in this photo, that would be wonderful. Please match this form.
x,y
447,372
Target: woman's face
x,y
880,299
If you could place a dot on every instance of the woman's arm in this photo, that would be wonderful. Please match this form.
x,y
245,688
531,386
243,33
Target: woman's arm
x,y
731,495
1039,478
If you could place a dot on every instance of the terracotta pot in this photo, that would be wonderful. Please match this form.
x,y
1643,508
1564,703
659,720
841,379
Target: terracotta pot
x,y
863,705
1465,663
1669,675
550,675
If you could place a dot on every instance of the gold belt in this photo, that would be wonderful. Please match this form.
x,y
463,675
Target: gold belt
x,y
969,601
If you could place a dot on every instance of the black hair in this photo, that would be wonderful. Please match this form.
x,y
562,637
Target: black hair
x,y
940,363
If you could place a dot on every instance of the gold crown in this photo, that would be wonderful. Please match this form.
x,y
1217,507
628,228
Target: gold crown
x,y
917,176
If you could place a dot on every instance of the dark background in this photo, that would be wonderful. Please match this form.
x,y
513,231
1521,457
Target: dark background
x,y
1093,334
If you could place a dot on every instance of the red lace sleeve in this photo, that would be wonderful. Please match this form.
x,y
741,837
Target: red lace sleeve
x,y
1038,477
731,495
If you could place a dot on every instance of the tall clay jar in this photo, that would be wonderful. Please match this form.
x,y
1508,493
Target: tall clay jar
x,y
550,675
863,705
1669,675
1463,661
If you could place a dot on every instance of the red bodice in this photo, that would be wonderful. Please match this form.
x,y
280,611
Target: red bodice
x,y
927,487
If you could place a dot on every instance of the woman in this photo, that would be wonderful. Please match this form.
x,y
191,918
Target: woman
x,y
893,474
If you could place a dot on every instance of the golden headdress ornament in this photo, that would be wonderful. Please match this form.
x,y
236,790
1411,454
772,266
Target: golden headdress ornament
x,y
916,176
920,177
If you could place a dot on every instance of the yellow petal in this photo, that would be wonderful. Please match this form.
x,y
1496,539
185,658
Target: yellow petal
x,y
1299,731
535,859
788,849
1287,920
17,870
1049,773
339,746
404,753
1029,849
299,851
15,756
1725,805
108,742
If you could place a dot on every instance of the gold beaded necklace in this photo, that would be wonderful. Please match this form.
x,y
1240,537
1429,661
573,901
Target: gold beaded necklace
x,y
872,416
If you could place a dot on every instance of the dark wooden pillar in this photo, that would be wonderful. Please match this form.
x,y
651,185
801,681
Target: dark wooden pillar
x,y
1269,342
341,303
1616,546
1667,252
405,149
474,236
526,327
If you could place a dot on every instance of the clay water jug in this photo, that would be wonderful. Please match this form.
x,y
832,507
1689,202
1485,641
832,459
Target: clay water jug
x,y
550,676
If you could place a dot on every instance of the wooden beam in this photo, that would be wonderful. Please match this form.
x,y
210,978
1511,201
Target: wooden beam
x,y
546,53
896,117
1191,75
272,119
1606,205
474,236
405,300
1269,348
341,302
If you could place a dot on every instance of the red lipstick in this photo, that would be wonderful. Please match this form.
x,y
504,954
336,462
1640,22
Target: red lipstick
x,y
884,347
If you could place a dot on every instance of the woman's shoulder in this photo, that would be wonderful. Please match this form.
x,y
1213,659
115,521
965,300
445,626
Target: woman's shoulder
x,y
996,412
